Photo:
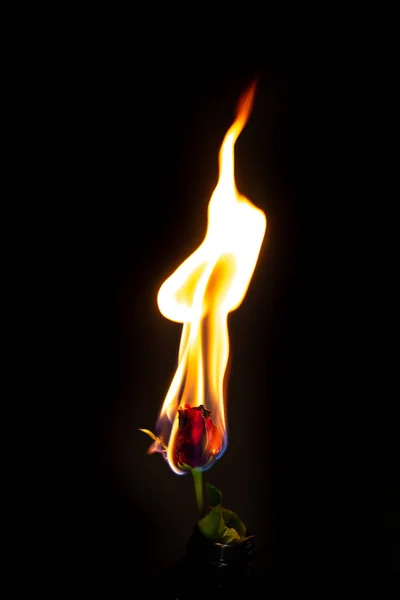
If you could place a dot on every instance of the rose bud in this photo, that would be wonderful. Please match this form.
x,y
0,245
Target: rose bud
x,y
198,441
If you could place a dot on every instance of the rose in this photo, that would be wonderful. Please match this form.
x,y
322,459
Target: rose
x,y
198,441
196,444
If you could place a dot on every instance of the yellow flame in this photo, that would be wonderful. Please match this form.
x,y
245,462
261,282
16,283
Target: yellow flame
x,y
207,286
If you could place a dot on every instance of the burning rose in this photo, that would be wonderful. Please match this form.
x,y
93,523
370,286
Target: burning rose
x,y
201,293
191,429
198,441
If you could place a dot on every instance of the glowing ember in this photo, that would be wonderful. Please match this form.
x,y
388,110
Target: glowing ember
x,y
205,288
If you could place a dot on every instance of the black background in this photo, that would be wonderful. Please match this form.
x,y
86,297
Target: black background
x,y
146,103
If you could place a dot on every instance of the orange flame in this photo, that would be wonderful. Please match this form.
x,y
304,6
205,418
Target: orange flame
x,y
204,289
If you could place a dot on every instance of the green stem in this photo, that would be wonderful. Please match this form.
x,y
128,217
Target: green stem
x,y
198,488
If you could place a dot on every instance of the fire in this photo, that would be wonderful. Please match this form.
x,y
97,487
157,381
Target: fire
x,y
200,294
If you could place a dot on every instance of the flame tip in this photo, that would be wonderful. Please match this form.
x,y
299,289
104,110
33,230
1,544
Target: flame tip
x,y
246,99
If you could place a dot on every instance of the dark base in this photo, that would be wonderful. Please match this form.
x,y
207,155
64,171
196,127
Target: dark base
x,y
210,571
199,586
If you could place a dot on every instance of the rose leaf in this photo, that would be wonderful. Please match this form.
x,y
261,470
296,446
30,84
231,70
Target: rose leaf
x,y
232,520
212,525
214,495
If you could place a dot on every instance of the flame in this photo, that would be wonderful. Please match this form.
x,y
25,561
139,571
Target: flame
x,y
204,289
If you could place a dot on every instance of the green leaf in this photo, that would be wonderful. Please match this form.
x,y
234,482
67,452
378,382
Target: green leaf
x,y
232,520
212,525
229,536
221,524
214,495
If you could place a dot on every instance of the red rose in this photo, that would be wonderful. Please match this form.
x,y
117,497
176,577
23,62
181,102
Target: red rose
x,y
198,441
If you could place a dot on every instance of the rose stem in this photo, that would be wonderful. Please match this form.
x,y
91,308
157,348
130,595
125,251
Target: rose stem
x,y
198,488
